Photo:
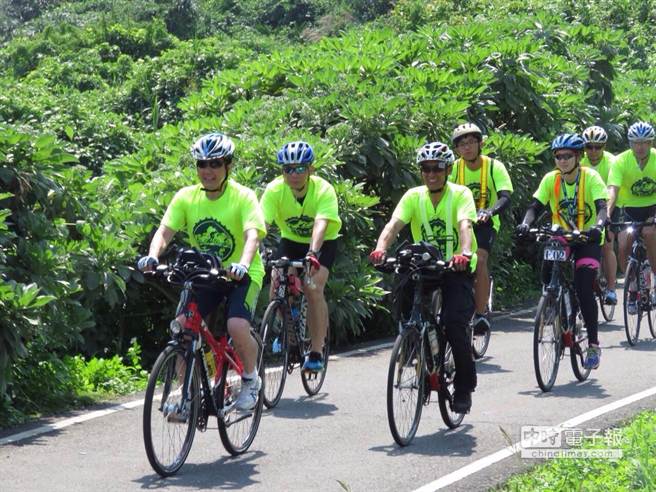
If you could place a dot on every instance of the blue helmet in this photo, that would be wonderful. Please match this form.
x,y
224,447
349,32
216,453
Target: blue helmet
x,y
436,151
295,153
567,141
640,131
213,146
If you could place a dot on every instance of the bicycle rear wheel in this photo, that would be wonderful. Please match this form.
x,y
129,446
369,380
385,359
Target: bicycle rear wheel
x,y
447,368
547,341
273,332
480,344
632,320
169,424
607,310
578,352
312,381
405,386
238,429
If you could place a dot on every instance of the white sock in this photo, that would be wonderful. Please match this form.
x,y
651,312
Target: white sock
x,y
249,375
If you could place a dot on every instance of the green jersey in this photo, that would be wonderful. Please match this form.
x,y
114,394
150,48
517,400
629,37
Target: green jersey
x,y
457,204
602,167
637,186
491,177
294,217
217,226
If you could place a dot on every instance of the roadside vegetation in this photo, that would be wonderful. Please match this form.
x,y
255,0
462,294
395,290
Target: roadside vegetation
x,y
99,102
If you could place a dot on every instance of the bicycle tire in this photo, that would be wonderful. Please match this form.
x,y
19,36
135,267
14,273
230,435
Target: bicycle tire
x,y
447,367
607,310
238,429
167,458
577,353
549,340
273,329
631,321
313,381
405,386
480,343
650,322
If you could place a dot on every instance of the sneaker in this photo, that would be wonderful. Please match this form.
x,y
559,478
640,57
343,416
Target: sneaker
x,y
313,362
481,324
611,298
462,402
592,357
250,389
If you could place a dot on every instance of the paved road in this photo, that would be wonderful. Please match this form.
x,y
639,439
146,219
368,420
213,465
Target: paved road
x,y
341,436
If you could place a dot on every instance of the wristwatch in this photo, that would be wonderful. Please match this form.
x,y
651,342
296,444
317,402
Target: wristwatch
x,y
312,252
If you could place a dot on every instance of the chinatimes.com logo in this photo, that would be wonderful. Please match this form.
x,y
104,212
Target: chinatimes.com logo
x,y
545,442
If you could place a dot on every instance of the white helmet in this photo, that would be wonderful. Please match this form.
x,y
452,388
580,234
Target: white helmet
x,y
595,134
466,129
436,151
641,131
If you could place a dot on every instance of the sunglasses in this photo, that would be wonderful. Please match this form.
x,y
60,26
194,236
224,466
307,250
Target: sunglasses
x,y
465,143
214,164
563,157
427,169
594,147
294,169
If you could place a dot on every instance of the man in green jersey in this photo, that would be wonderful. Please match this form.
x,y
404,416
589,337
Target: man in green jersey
x,y
632,183
304,207
221,217
490,184
442,213
577,198
597,158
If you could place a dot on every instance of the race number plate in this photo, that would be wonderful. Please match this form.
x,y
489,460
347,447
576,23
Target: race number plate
x,y
555,254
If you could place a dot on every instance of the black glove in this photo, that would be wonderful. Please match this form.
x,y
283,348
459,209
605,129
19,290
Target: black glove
x,y
522,230
594,235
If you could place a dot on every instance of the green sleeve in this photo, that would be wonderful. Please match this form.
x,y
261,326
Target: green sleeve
x,y
327,205
251,214
501,177
598,189
453,177
174,218
615,174
405,209
267,202
545,190
465,206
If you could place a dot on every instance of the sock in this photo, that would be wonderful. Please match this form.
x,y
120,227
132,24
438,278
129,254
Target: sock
x,y
249,376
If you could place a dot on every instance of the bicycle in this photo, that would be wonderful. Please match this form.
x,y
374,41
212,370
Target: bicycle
x,y
480,343
180,397
414,370
600,288
637,283
558,319
284,331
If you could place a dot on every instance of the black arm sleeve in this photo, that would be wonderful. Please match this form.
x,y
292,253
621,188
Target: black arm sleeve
x,y
602,214
534,209
502,203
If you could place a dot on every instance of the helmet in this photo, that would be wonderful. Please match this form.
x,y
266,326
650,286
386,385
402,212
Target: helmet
x,y
213,146
567,141
595,134
640,131
436,151
466,129
295,153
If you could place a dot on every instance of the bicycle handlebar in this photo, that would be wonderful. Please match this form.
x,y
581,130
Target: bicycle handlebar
x,y
409,259
547,232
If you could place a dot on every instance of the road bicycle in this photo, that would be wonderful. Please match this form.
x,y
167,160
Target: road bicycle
x,y
558,323
284,331
182,393
415,371
638,290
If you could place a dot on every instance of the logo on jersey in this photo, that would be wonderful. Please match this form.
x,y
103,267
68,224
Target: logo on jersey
x,y
438,228
565,206
214,237
476,191
301,226
644,187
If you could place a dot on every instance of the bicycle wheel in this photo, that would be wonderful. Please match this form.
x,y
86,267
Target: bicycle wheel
x,y
547,342
273,332
236,428
312,381
650,320
607,310
480,344
445,395
169,424
632,320
578,352
405,386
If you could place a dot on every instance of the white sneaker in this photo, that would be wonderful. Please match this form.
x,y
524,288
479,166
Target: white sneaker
x,y
250,390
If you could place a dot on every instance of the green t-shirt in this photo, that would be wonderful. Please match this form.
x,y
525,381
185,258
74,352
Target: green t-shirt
x,y
602,167
498,179
416,201
296,219
217,226
565,206
637,187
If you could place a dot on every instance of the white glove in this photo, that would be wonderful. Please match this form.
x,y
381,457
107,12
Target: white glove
x,y
237,271
147,263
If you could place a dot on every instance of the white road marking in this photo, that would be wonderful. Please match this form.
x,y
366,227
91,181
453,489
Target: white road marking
x,y
506,452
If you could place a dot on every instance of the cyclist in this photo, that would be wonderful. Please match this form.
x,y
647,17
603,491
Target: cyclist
x,y
490,184
632,183
221,217
597,158
442,213
304,207
577,198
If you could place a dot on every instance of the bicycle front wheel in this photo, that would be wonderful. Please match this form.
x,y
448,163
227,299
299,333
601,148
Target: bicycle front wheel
x,y
632,304
273,332
547,342
405,386
607,310
445,395
312,381
480,344
169,423
578,353
236,428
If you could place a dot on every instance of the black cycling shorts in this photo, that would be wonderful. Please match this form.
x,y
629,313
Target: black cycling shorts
x,y
639,214
240,300
485,235
297,251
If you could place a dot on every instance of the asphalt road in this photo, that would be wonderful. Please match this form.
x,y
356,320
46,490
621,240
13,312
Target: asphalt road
x,y
339,440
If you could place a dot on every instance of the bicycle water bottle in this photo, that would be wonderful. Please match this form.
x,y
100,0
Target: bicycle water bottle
x,y
432,338
646,275
211,364
568,307
276,348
